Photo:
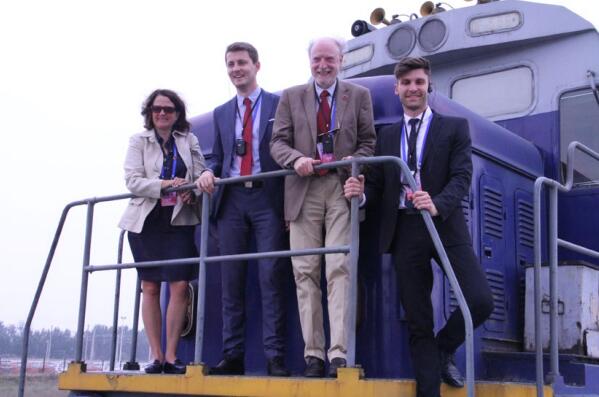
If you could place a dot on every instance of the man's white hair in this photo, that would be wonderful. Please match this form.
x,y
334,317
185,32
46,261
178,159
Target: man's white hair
x,y
338,41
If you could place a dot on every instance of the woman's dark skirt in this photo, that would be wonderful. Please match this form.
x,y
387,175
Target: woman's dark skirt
x,y
159,240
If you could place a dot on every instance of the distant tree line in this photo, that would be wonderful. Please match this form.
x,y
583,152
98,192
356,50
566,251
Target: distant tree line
x,y
60,344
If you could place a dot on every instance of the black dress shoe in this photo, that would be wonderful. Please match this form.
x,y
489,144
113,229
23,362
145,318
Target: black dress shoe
x,y
276,367
177,367
336,363
153,368
229,366
450,374
314,367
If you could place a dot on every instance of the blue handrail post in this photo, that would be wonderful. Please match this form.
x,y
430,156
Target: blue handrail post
x,y
204,231
84,280
353,275
132,364
117,297
553,331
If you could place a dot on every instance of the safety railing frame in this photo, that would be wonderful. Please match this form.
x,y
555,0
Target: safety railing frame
x,y
553,242
132,364
203,259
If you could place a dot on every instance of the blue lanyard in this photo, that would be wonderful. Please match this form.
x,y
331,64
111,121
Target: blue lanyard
x,y
404,140
253,111
333,112
174,167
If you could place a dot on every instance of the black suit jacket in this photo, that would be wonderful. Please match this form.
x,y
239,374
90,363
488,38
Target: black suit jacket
x,y
223,150
445,174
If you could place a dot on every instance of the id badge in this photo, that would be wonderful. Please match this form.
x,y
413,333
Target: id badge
x,y
169,199
324,157
327,158
319,148
410,192
409,197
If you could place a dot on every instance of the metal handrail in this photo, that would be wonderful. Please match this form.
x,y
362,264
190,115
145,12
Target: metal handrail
x,y
203,259
117,299
553,243
132,364
41,283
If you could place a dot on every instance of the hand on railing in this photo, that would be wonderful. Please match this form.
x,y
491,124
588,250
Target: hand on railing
x,y
206,182
166,183
422,201
188,197
304,166
354,187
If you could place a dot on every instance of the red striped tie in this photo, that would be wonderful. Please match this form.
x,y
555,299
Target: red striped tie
x,y
323,121
246,160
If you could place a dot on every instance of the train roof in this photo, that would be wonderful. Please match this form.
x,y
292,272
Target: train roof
x,y
459,34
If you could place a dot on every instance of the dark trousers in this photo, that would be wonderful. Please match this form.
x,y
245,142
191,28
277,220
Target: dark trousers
x,y
412,253
243,212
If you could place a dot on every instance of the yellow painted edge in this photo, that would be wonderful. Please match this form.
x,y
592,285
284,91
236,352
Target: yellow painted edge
x,y
194,382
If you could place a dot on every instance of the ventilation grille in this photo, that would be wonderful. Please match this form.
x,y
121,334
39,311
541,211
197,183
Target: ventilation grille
x,y
525,224
493,213
497,284
496,281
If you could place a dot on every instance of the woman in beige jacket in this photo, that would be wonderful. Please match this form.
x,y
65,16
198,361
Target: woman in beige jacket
x,y
161,226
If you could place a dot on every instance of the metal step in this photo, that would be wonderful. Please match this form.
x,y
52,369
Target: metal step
x,y
578,372
350,383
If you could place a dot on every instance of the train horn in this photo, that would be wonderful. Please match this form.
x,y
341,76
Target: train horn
x,y
377,16
427,8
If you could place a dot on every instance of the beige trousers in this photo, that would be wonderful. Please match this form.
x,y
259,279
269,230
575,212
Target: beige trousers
x,y
324,205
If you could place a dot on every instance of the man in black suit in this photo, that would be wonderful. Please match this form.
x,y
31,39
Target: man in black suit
x,y
242,130
438,153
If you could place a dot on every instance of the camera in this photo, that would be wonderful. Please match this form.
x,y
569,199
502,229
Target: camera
x,y
240,147
327,143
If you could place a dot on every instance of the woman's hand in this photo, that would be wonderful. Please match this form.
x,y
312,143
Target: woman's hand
x,y
179,181
166,183
188,197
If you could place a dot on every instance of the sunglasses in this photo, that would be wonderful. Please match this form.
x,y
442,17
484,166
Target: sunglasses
x,y
165,109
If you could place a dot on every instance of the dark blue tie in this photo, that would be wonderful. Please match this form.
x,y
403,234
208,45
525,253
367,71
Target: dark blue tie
x,y
412,144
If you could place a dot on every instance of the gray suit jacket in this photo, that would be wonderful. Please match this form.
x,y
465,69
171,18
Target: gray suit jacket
x,y
223,151
294,133
143,164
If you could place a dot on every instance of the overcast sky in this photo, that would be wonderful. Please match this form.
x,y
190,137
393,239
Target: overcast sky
x,y
73,75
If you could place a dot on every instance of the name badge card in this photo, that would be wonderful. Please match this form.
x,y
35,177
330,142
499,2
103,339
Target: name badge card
x,y
169,199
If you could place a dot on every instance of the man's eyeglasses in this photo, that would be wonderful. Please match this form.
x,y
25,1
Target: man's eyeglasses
x,y
165,109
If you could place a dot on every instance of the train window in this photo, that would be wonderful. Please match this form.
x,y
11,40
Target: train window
x,y
500,93
495,23
432,35
579,121
358,56
401,42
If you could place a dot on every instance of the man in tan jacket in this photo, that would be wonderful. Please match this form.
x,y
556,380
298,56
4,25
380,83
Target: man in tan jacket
x,y
322,121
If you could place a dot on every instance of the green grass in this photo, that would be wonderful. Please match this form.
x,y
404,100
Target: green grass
x,y
35,386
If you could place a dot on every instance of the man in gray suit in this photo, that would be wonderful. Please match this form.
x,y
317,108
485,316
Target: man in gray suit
x,y
322,121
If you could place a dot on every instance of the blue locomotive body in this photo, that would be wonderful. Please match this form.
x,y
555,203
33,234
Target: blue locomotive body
x,y
501,196
524,88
